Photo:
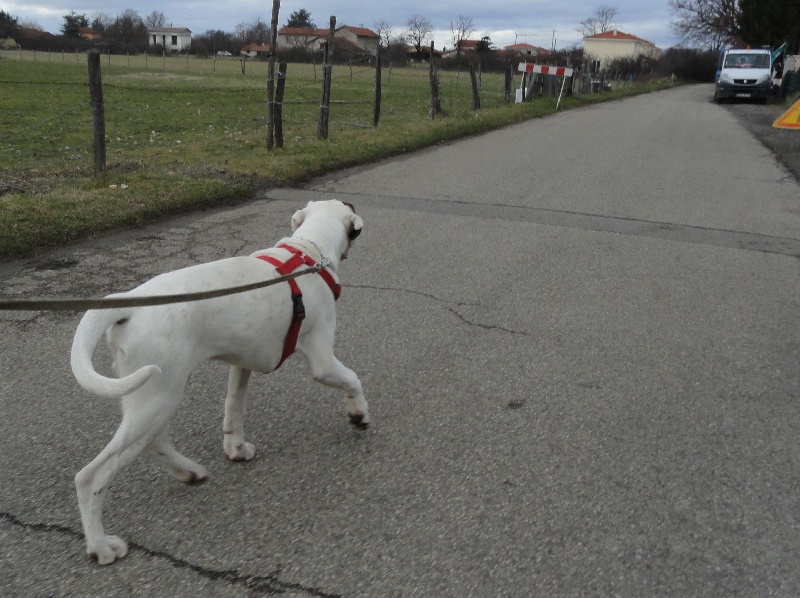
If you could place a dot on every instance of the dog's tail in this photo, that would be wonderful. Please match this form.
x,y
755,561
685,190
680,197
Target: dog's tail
x,y
88,334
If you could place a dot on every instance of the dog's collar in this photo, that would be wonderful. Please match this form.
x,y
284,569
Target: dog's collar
x,y
298,258
323,261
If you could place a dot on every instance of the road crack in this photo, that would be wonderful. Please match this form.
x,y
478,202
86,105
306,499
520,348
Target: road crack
x,y
266,584
449,305
411,292
485,326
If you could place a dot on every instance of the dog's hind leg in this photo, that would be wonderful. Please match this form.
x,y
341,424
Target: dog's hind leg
x,y
328,370
233,442
142,420
183,468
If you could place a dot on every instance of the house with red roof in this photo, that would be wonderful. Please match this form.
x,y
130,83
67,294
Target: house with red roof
x,y
89,33
301,38
463,46
608,46
364,38
355,39
255,50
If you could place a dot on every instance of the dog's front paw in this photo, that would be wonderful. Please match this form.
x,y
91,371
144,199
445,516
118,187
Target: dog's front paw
x,y
196,475
359,420
107,550
239,451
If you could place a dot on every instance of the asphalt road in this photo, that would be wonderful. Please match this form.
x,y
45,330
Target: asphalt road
x,y
579,338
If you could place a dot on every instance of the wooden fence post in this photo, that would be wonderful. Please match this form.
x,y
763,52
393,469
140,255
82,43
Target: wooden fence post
x,y
476,98
278,112
322,125
276,5
324,117
509,78
377,114
98,113
436,103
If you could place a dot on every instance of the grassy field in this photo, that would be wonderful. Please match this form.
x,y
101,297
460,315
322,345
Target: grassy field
x,y
184,133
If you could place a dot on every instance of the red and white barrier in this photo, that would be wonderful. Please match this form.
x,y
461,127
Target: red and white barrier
x,y
543,69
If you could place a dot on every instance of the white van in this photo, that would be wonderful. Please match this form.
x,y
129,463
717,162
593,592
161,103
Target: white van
x,y
744,74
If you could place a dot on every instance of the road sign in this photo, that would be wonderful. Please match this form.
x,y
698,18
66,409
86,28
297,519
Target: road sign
x,y
789,119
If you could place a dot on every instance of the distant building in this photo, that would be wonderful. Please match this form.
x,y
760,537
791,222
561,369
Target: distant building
x,y
174,39
361,37
301,38
527,50
464,46
354,39
424,54
89,33
255,50
606,47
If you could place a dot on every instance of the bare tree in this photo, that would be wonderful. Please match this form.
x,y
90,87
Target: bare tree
x,y
155,19
128,27
254,31
461,29
708,22
101,22
601,21
384,31
29,24
419,29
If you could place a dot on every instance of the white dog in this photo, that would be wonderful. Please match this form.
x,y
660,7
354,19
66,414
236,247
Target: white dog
x,y
156,348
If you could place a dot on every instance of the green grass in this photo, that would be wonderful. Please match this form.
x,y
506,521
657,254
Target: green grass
x,y
183,134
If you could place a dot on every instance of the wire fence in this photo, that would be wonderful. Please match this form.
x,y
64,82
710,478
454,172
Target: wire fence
x,y
189,109
161,102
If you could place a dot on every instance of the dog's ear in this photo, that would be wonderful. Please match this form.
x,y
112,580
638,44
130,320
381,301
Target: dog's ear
x,y
356,224
298,218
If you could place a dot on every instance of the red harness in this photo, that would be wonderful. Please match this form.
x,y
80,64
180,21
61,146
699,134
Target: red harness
x,y
298,309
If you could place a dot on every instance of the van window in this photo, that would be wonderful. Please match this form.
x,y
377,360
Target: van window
x,y
747,61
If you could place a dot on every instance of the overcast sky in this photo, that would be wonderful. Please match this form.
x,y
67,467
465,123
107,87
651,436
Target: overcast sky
x,y
536,22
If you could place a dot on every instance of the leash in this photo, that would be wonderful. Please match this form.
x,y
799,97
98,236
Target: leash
x,y
77,304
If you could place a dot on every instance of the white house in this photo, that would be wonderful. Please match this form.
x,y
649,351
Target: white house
x,y
610,45
174,39
301,38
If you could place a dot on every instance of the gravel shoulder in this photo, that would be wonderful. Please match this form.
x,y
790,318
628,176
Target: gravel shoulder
x,y
758,119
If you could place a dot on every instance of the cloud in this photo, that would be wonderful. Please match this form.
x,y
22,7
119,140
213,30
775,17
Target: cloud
x,y
531,21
